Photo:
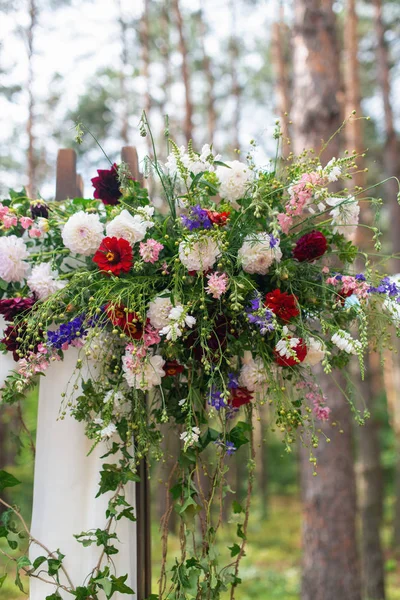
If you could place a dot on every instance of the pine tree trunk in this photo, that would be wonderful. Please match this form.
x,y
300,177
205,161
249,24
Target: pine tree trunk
x,y
183,49
32,161
236,91
330,560
370,470
392,168
282,84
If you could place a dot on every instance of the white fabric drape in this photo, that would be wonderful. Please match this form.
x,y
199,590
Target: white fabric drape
x,y
65,486
7,363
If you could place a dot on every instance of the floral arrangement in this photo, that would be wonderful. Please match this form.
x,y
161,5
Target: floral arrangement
x,y
194,316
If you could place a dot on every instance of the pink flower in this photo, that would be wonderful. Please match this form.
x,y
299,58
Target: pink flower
x,y
151,336
150,250
3,211
325,270
35,232
26,222
320,410
9,221
285,222
217,284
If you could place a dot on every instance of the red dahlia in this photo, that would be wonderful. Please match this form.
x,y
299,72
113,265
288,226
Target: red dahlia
x,y
115,255
240,396
300,351
172,368
219,219
284,305
106,185
310,246
128,321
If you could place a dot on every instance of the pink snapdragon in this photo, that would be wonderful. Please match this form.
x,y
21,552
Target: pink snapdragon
x,y
217,284
285,221
301,194
317,398
150,250
350,285
35,232
4,210
9,221
151,336
26,222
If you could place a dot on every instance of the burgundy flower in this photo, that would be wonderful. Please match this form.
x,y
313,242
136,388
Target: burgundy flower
x,y
39,209
11,307
310,246
128,321
240,396
284,305
173,368
115,255
300,351
106,185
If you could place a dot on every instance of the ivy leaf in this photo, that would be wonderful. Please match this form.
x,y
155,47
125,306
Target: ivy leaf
x,y
38,562
7,480
235,549
55,596
237,507
209,436
240,532
119,585
22,562
106,584
2,580
81,593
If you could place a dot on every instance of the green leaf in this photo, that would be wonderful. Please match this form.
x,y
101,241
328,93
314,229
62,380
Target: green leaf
x,y
55,596
235,549
106,584
7,480
240,532
2,580
237,507
38,562
118,585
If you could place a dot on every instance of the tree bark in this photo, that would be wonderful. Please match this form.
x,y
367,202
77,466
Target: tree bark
x,y
330,560
391,155
31,155
369,467
183,49
207,70
282,83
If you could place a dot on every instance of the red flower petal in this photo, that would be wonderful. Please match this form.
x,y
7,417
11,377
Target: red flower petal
x,y
284,305
115,255
301,353
310,246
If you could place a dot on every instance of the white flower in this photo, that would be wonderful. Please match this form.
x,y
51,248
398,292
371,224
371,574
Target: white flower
x,y
43,281
98,421
315,352
253,375
108,431
344,341
12,253
145,374
159,310
345,214
83,233
193,164
130,228
234,181
177,319
285,346
332,170
190,437
257,255
200,255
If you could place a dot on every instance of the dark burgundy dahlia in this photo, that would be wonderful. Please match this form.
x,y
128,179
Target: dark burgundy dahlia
x,y
310,246
12,307
106,186
39,208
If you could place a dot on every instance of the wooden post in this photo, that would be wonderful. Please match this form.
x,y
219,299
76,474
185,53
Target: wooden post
x,y
129,155
68,183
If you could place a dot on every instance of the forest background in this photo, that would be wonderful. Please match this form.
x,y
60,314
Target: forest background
x,y
224,71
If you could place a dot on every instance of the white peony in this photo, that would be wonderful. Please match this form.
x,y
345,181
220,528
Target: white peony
x,y
345,342
234,181
315,352
43,281
200,255
83,233
12,254
345,215
257,255
158,312
146,375
253,375
131,228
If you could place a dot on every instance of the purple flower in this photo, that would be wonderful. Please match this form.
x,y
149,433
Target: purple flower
x,y
233,382
216,399
360,277
230,448
386,286
67,333
197,219
273,241
260,316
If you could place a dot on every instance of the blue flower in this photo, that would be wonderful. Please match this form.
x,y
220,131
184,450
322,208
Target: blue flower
x,y
67,332
216,399
197,219
233,382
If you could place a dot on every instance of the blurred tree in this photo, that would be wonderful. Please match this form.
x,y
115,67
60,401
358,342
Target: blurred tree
x,y
370,471
31,156
330,561
236,90
281,62
122,75
185,70
207,71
